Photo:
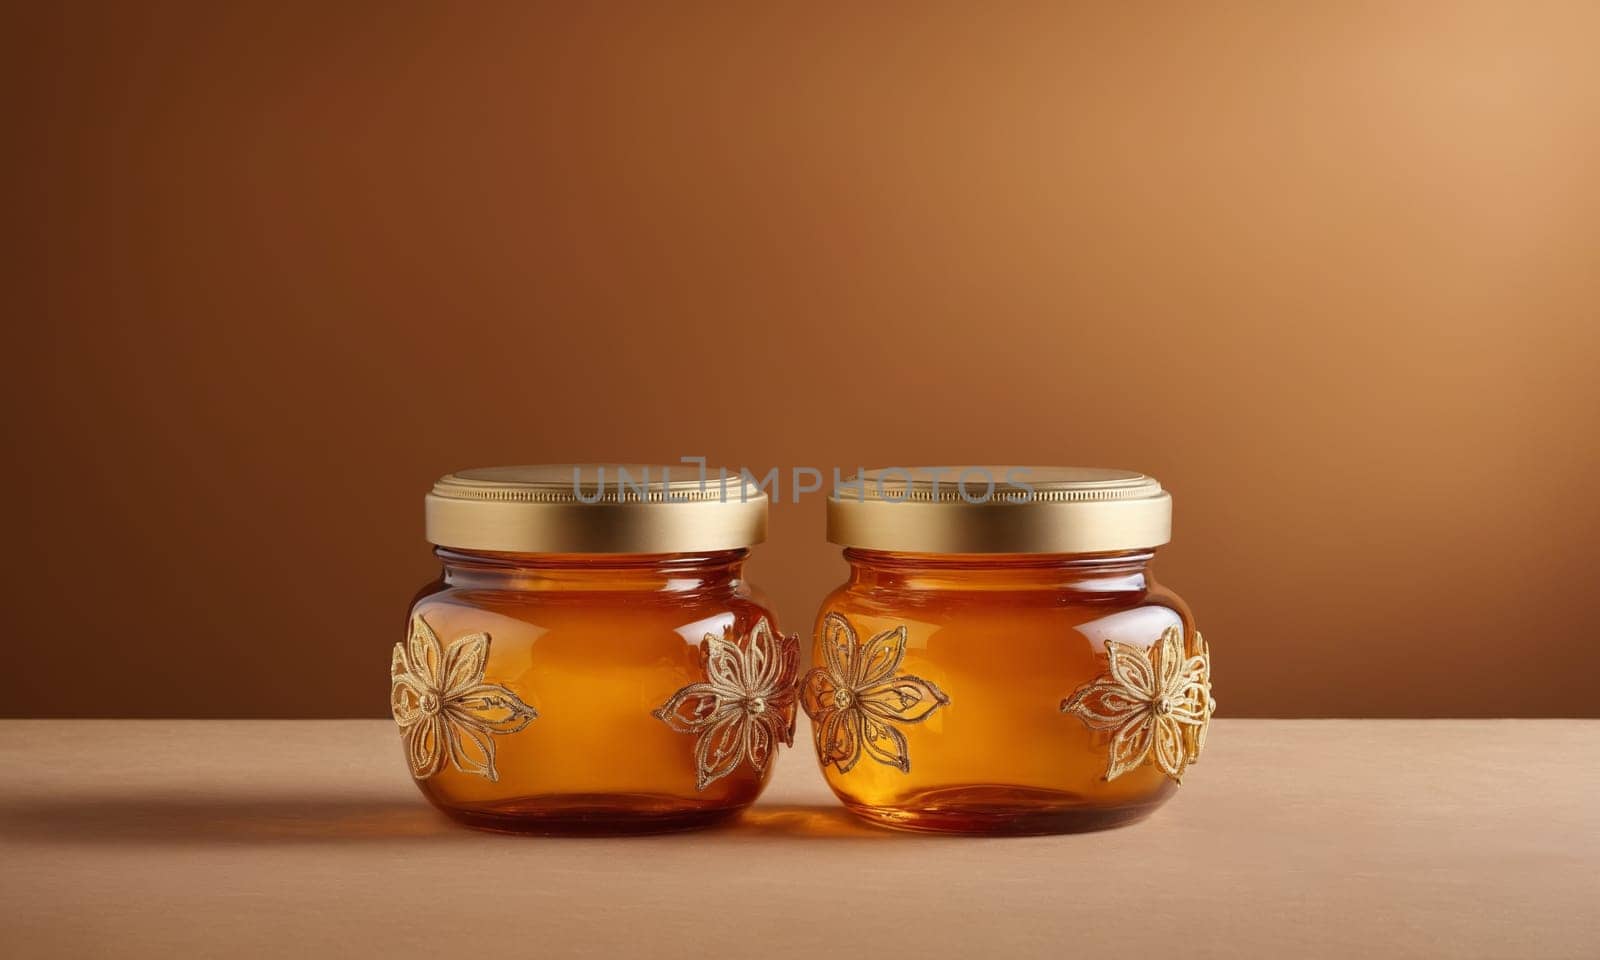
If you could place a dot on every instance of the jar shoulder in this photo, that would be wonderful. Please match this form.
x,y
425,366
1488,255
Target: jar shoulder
x,y
686,613
863,596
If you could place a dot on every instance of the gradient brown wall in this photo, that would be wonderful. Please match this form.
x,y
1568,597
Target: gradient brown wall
x,y
1327,270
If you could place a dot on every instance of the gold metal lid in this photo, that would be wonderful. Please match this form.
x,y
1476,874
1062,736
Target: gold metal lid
x,y
594,508
979,509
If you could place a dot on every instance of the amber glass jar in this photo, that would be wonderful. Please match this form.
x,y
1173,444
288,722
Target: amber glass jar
x,y
591,659
1001,659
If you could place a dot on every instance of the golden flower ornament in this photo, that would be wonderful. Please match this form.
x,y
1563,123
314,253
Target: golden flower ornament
x,y
443,706
1157,700
745,707
856,700
1194,734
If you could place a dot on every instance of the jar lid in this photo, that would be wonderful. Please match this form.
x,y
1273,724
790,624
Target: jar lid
x,y
979,509
595,508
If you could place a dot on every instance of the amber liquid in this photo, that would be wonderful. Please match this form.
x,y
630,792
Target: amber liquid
x,y
1006,639
594,644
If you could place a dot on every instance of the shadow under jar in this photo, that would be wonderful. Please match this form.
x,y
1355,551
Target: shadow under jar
x,y
591,659
1001,660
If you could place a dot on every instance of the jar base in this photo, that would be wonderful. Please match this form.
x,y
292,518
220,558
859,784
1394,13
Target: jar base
x,y
589,815
990,810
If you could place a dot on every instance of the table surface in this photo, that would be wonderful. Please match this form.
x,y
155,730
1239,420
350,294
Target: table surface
x,y
1309,838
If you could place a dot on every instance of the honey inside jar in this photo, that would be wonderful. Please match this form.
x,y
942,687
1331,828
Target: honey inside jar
x,y
1013,667
591,665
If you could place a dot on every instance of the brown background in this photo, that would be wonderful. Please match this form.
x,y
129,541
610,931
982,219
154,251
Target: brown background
x,y
1327,270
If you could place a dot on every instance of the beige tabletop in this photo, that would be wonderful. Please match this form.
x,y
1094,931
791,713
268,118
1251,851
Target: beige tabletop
x,y
1290,839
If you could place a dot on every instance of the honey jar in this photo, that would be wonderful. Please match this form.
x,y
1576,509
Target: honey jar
x,y
1001,659
591,658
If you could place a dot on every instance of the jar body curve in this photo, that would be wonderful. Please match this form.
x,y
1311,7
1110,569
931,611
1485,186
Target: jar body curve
x,y
975,694
591,706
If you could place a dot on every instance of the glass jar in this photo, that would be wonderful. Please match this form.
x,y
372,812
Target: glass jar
x,y
591,659
1001,659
